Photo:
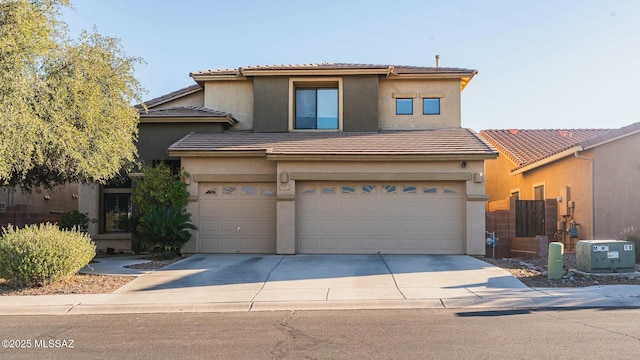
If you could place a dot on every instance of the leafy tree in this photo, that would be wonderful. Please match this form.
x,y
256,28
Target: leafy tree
x,y
159,187
160,221
65,104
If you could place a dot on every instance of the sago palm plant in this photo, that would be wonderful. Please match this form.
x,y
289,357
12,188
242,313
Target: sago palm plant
x,y
166,229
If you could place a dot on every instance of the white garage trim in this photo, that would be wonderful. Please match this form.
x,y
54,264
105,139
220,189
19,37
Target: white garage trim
x,y
237,218
381,217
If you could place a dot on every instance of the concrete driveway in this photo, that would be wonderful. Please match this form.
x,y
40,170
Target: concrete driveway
x,y
221,283
221,278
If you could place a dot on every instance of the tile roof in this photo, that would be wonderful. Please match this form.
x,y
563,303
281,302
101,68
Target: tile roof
x,y
525,147
184,111
447,142
383,69
170,96
611,135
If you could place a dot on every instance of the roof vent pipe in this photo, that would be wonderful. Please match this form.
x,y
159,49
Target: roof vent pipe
x,y
437,61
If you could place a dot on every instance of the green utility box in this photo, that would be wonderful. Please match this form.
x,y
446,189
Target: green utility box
x,y
605,256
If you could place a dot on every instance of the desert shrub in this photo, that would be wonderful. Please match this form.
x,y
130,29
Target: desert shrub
x,y
75,219
632,234
165,230
42,254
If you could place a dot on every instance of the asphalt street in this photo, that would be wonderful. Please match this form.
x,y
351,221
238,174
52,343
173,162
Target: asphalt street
x,y
596,333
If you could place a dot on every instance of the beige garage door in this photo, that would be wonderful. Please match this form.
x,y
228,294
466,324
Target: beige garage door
x,y
237,218
377,217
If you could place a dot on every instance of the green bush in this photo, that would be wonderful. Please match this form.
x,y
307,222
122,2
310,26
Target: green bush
x,y
158,187
160,222
632,234
165,230
75,219
42,254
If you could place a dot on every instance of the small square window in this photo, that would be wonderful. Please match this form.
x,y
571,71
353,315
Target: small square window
x,y
431,106
404,106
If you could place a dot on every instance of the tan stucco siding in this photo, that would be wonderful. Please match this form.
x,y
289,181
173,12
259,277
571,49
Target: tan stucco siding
x,y
569,178
450,114
195,99
571,173
499,181
617,195
234,97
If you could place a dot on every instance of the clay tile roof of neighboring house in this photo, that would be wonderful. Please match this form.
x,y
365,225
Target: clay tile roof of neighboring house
x,y
611,135
396,69
170,96
525,147
448,142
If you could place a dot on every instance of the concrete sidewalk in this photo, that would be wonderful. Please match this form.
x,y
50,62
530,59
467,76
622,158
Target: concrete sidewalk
x,y
219,283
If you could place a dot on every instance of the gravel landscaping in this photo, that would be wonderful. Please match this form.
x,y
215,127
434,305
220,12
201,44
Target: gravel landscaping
x,y
82,283
533,273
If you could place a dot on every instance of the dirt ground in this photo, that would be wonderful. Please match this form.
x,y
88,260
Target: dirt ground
x,y
532,272
82,283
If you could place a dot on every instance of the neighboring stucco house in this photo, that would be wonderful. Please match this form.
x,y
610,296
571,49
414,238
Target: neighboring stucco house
x,y
324,158
592,173
39,205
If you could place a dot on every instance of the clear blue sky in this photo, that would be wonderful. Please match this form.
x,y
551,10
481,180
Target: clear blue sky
x,y
542,64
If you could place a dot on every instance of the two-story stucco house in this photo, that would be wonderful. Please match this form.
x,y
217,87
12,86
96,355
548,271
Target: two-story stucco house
x,y
320,158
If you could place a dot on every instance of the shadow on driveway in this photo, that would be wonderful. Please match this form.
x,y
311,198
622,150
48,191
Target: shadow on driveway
x,y
310,271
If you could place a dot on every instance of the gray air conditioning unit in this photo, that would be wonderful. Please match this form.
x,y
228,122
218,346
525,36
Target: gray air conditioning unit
x,y
605,256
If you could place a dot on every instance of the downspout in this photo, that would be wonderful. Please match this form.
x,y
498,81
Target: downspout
x,y
593,198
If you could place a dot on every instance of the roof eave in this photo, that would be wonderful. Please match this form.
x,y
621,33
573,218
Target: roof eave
x,y
169,99
379,157
150,119
465,77
214,153
199,78
299,72
547,160
591,146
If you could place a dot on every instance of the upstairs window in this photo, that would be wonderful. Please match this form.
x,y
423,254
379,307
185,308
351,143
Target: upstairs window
x,y
431,106
404,106
316,108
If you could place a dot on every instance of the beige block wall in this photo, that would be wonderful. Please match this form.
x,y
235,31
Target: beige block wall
x,y
450,113
617,194
60,199
234,97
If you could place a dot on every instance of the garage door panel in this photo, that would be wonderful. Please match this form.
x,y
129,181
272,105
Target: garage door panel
x,y
237,218
381,217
